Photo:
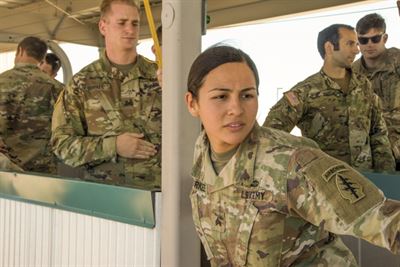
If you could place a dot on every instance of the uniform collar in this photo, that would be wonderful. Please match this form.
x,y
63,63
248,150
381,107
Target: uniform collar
x,y
239,170
330,83
140,69
25,65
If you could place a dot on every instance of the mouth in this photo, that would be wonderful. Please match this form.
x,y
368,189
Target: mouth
x,y
234,125
370,51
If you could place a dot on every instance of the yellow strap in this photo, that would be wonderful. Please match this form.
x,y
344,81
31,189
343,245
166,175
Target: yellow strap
x,y
150,20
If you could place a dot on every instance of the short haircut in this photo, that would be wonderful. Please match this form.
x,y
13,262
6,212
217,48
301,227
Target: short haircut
x,y
34,47
106,5
53,60
212,58
370,21
330,34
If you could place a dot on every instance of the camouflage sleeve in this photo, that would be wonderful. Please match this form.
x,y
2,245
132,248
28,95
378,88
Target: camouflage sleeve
x,y
330,194
382,155
69,138
6,162
285,114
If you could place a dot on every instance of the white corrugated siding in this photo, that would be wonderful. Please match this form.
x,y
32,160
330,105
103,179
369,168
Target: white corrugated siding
x,y
32,235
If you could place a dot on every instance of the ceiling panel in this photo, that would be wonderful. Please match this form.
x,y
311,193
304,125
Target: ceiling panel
x,y
76,20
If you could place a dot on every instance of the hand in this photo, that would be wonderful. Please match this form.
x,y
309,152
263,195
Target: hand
x,y
130,145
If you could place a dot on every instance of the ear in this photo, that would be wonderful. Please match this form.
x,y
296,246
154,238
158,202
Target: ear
x,y
192,104
153,49
19,51
102,26
328,46
385,38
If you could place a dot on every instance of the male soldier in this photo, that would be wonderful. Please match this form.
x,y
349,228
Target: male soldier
x,y
382,67
27,99
336,107
50,65
109,117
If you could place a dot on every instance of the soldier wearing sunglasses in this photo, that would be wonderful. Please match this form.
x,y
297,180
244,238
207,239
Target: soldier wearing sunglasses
x,y
336,107
382,66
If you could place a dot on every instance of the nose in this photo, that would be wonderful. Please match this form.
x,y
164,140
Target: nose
x,y
235,106
130,28
356,49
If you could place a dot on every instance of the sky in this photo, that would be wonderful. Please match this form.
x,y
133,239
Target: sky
x,y
284,50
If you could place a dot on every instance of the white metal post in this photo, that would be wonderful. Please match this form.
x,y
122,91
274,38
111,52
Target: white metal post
x,y
181,20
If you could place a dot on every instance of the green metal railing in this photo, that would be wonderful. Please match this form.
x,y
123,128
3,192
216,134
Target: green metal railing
x,y
127,205
388,183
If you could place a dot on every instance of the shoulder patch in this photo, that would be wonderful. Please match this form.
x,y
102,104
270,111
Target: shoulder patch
x,y
349,193
292,98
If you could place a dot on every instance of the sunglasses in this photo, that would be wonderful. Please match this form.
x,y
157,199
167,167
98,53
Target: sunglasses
x,y
374,39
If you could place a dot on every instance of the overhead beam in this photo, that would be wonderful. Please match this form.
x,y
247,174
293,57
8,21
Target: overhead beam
x,y
259,10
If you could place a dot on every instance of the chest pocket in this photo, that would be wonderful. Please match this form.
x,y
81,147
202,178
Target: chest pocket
x,y
213,230
201,230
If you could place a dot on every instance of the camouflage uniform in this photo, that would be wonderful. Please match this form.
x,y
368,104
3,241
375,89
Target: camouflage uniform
x,y
101,103
385,81
5,160
280,201
349,127
27,97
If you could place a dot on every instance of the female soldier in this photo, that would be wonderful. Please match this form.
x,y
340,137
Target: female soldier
x,y
262,197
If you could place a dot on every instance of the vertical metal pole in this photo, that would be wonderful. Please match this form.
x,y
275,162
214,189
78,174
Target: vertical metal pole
x,y
65,63
181,22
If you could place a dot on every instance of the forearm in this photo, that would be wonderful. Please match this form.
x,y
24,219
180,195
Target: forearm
x,y
72,145
75,150
380,226
282,117
382,154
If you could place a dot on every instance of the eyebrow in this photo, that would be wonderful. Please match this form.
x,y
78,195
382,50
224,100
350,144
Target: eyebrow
x,y
229,90
124,19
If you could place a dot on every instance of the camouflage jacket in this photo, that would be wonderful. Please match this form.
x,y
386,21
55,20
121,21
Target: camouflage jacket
x,y
6,164
280,201
99,103
385,81
349,127
27,97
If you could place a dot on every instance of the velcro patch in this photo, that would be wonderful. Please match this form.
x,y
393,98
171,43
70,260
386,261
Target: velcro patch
x,y
200,186
348,189
292,98
329,173
349,193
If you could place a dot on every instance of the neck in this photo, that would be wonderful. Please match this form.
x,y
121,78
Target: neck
x,y
121,57
28,60
334,72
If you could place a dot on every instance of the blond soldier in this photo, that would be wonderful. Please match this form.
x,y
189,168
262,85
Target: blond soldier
x,y
27,99
262,197
336,107
382,67
109,117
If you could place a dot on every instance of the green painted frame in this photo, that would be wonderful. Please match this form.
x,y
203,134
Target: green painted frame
x,y
389,183
127,205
